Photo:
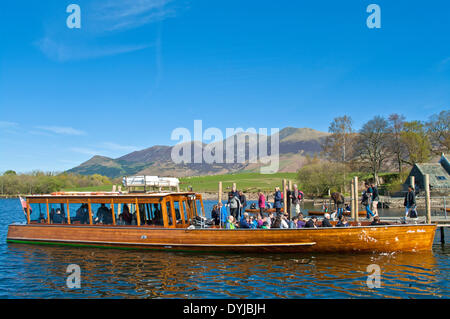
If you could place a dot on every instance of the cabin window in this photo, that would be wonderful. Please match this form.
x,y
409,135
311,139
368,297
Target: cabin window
x,y
79,213
154,211
441,178
57,213
169,212
38,213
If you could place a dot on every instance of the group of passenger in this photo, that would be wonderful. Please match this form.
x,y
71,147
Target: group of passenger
x,y
282,221
238,218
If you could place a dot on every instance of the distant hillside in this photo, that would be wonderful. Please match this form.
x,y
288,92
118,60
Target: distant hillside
x,y
295,143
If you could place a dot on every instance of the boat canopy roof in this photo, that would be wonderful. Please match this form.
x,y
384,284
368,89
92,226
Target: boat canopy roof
x,y
107,197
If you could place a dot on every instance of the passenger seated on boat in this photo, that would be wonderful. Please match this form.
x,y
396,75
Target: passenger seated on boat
x,y
102,212
260,221
230,222
326,221
276,223
300,223
284,221
215,214
107,217
265,225
342,222
245,221
82,214
158,216
311,223
253,223
293,222
126,215
58,218
376,221
271,219
120,220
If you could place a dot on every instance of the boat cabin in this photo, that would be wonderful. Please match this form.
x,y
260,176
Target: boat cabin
x,y
168,210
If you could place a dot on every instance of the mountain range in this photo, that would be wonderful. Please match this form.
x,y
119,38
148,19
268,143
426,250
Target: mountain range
x,y
294,145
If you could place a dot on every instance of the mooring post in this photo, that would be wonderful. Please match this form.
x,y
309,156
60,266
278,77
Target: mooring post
x,y
412,182
427,198
352,196
445,206
220,192
356,199
285,198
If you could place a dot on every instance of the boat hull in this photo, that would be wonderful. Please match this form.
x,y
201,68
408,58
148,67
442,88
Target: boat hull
x,y
348,239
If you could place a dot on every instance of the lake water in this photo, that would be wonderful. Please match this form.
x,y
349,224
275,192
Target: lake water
x,y
32,271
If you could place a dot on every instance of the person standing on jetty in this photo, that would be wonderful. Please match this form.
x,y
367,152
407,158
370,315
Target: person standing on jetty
x,y
410,200
243,201
261,202
375,199
296,197
366,201
277,201
339,201
234,203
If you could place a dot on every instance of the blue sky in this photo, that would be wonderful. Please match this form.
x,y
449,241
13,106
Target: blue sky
x,y
136,70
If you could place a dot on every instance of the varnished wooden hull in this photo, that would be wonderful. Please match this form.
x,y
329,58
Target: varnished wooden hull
x,y
349,239
320,213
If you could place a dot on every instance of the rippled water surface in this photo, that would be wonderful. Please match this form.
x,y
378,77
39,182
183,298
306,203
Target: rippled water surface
x,y
32,271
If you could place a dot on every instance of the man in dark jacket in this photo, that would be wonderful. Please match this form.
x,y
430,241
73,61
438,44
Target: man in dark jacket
x,y
339,201
243,200
277,203
410,200
326,221
311,223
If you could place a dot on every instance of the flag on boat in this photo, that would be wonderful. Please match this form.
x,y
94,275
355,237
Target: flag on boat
x,y
24,204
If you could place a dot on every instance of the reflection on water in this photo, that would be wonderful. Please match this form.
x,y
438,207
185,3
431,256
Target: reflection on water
x,y
39,271
31,271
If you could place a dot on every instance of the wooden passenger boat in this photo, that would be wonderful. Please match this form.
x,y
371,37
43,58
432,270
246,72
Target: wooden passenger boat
x,y
164,222
346,213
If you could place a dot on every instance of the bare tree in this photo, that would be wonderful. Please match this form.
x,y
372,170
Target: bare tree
x,y
338,146
438,129
396,122
373,144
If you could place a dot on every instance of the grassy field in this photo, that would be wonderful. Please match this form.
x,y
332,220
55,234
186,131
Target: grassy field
x,y
248,182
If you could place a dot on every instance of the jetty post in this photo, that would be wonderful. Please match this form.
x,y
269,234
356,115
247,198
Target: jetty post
x,y
220,192
352,196
285,198
412,182
427,197
356,198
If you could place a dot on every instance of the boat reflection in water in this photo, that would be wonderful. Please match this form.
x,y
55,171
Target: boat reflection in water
x,y
138,274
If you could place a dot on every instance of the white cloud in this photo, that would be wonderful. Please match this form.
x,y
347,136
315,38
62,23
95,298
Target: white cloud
x,y
127,14
117,147
99,19
63,51
64,130
5,124
83,150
